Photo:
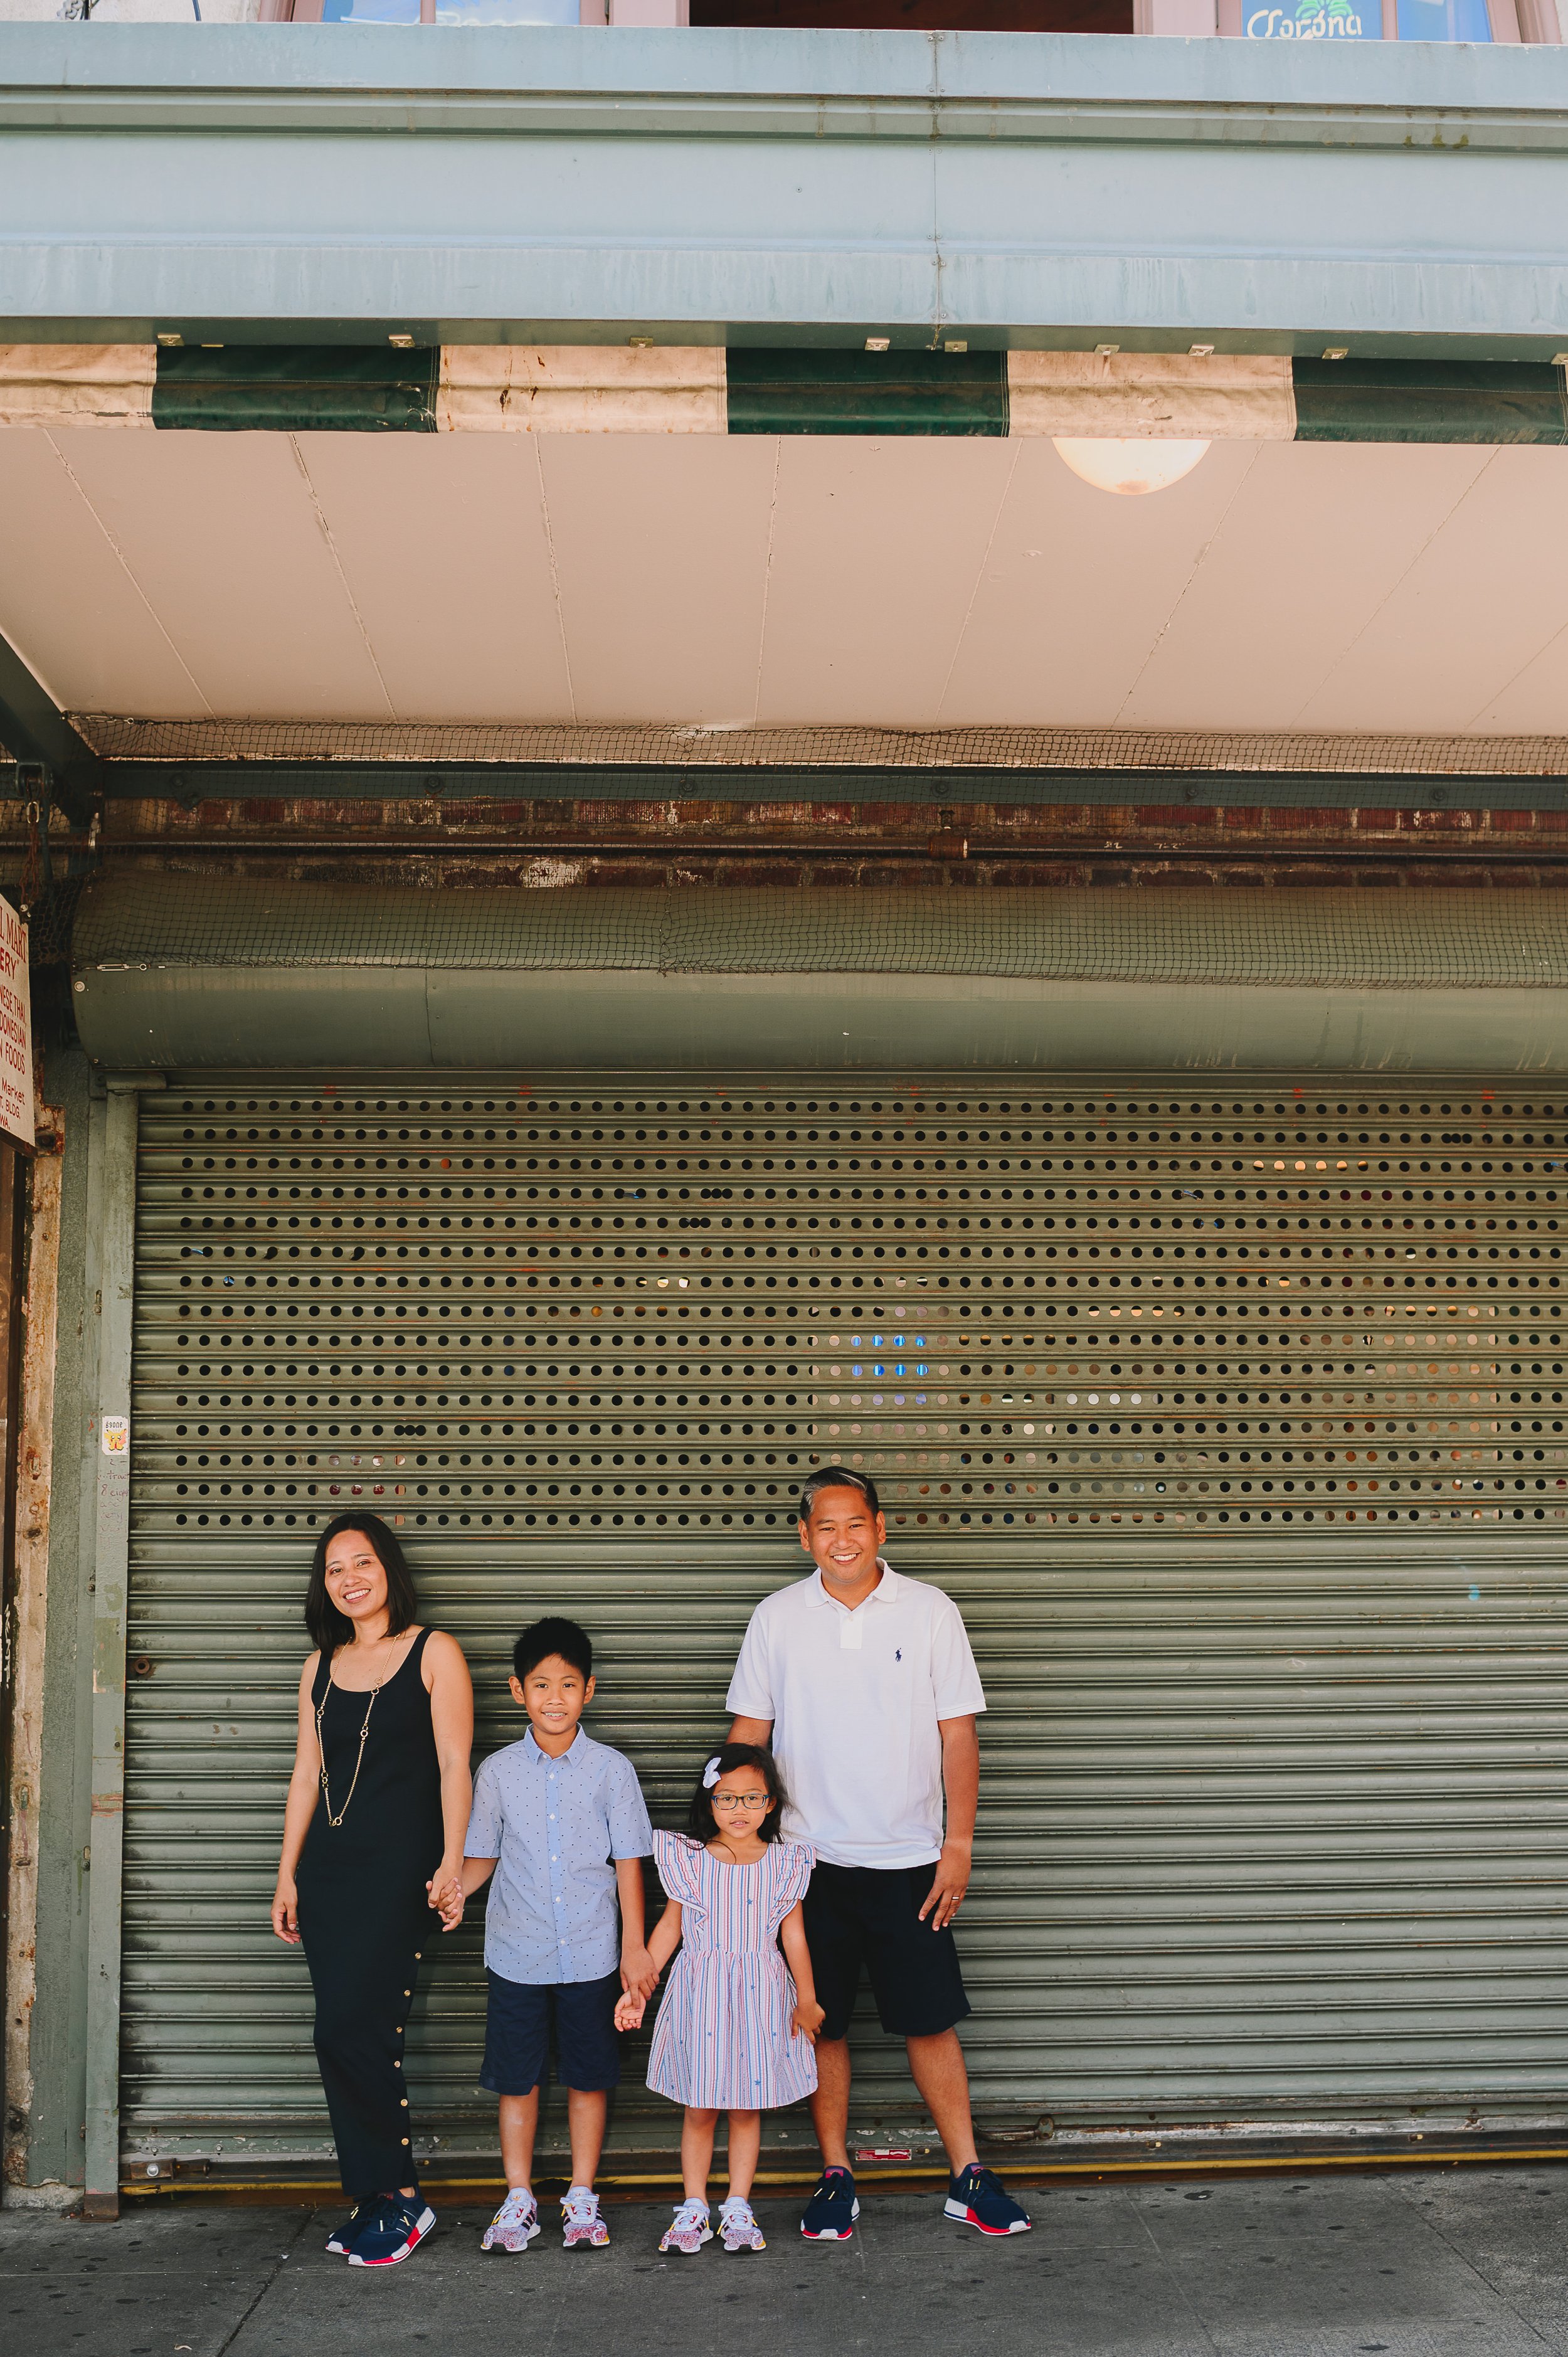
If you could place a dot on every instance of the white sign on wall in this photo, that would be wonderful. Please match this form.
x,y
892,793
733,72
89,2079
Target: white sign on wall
x,y
15,1028
1314,20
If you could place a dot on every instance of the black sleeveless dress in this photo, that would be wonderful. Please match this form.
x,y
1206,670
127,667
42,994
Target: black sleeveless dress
x,y
364,1915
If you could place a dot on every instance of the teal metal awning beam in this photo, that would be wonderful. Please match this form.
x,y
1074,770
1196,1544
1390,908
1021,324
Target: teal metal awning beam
x,y
567,185
192,782
37,732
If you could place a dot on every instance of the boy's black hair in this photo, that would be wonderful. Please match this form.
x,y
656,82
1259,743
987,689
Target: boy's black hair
x,y
329,1628
552,1635
701,1822
837,1477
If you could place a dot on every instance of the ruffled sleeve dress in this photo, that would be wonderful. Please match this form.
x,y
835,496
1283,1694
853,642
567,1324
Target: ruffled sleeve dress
x,y
722,2040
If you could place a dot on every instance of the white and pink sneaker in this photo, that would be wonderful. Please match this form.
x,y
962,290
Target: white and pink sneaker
x,y
688,2229
515,2224
739,2227
580,2217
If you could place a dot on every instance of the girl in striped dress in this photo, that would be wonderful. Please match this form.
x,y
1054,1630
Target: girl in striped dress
x,y
735,2031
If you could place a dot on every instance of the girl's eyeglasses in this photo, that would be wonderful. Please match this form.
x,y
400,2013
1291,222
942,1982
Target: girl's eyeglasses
x,y
754,1801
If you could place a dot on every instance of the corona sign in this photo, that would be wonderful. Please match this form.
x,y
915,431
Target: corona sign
x,y
1315,20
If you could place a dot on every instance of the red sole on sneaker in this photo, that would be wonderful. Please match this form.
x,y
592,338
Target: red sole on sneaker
x,y
998,2233
392,2258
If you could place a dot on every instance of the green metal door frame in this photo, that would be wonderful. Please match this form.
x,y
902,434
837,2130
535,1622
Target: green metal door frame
x,y
106,1505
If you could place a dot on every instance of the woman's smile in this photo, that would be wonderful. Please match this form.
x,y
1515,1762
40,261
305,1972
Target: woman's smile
x,y
356,1579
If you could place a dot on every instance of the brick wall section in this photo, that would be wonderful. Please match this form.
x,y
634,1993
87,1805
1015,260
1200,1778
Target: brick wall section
x,y
965,847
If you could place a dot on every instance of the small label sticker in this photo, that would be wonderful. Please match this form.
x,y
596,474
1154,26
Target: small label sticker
x,y
116,1436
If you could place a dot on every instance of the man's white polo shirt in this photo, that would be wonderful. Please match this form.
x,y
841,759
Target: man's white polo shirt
x,y
854,1698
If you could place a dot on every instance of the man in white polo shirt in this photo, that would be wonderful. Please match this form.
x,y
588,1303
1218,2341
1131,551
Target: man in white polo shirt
x,y
864,1685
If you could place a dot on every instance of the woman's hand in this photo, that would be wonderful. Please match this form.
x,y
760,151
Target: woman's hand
x,y
809,2017
285,1911
444,1893
630,2011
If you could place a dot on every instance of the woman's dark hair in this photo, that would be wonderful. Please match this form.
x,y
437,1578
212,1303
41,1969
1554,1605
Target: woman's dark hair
x,y
329,1628
701,1822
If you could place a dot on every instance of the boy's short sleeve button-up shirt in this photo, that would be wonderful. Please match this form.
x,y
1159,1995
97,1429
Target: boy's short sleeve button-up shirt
x,y
855,1699
555,1827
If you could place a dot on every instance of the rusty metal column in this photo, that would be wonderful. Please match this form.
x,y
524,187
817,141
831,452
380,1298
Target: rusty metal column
x,y
109,1441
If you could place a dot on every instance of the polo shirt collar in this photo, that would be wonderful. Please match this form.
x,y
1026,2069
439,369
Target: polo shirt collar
x,y
538,1759
884,1592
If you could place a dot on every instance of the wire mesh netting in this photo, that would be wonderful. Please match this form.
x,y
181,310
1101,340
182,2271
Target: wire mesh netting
x,y
122,740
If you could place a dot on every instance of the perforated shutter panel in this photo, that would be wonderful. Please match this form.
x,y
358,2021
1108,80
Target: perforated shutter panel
x,y
1233,1420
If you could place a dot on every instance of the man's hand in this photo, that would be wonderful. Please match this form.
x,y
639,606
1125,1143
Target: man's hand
x,y
948,1884
639,1973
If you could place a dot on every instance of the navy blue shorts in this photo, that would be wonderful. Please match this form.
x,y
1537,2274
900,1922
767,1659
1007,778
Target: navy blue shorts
x,y
870,1916
517,2034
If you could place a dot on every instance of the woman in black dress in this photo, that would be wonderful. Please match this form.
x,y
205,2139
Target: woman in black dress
x,y
378,1807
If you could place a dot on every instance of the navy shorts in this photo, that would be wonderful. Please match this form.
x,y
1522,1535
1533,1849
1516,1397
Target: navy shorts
x,y
517,2034
870,1915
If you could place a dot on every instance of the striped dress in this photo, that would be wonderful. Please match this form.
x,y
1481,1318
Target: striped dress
x,y
722,2040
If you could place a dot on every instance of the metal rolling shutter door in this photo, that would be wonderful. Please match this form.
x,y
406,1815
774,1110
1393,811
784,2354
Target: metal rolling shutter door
x,y
1232,1418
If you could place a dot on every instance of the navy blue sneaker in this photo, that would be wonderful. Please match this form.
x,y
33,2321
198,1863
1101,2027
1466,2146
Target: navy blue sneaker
x,y
979,2198
830,2213
342,2239
394,2233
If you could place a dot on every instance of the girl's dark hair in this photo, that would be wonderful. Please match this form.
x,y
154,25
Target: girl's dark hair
x,y
701,1822
329,1628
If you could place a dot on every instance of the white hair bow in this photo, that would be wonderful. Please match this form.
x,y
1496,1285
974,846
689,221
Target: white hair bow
x,y
711,1773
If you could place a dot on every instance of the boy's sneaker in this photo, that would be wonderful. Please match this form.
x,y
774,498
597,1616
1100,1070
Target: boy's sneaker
x,y
394,2234
688,2229
515,2224
830,2213
739,2227
342,2239
979,2198
581,2219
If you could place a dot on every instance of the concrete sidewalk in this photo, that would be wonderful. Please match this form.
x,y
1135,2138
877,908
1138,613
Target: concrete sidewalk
x,y
1458,2263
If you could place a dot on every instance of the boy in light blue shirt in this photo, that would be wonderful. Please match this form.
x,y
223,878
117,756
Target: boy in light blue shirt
x,y
559,1821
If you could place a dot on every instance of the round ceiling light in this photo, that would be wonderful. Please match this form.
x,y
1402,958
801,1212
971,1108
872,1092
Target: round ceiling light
x,y
1128,467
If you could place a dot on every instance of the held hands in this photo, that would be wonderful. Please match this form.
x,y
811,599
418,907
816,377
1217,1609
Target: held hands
x,y
639,1973
445,1890
638,1980
808,2018
951,1880
285,1911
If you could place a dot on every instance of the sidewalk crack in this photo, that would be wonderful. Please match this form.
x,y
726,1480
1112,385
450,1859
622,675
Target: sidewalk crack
x,y
1172,2278
263,2288
1400,2189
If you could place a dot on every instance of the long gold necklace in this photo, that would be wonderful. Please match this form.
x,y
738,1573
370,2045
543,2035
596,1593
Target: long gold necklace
x,y
321,1748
